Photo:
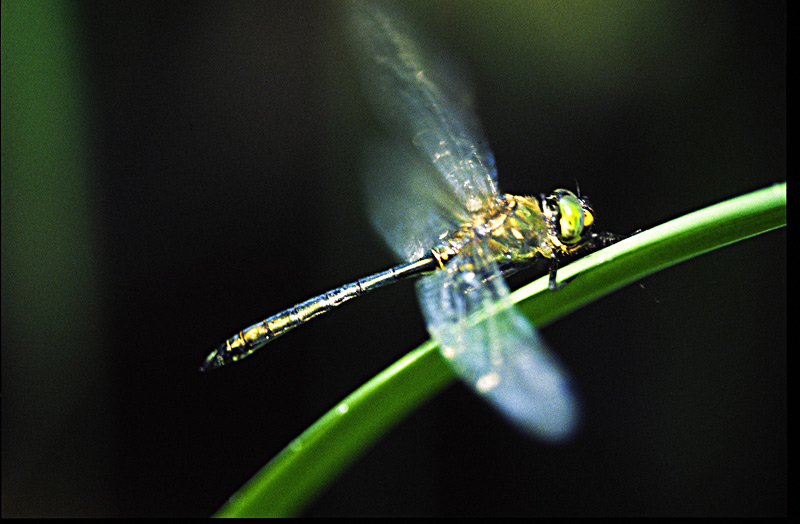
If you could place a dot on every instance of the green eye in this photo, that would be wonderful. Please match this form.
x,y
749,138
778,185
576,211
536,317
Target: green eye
x,y
571,222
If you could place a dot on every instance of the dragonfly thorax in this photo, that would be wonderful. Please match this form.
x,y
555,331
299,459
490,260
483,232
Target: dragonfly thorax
x,y
520,229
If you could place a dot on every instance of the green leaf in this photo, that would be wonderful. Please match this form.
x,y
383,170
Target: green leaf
x,y
313,460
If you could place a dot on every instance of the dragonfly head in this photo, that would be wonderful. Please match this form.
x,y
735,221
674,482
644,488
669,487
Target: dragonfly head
x,y
569,219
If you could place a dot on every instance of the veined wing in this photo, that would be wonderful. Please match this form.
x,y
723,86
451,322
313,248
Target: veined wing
x,y
408,202
494,348
423,104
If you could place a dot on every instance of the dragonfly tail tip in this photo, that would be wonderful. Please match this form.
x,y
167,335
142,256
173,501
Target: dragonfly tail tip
x,y
213,361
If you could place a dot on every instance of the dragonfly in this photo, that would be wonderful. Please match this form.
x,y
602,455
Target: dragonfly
x,y
433,195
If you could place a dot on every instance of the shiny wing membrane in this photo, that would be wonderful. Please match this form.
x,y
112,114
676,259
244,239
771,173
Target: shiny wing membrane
x,y
494,348
423,103
408,202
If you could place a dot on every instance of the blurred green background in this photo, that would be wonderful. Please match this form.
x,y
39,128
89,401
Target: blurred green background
x,y
173,171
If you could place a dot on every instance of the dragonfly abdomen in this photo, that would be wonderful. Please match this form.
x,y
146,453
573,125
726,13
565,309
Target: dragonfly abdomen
x,y
254,337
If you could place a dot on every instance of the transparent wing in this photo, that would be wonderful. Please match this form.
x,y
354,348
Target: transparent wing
x,y
424,103
494,348
411,209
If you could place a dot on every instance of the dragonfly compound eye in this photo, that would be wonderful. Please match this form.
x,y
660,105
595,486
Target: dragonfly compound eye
x,y
571,222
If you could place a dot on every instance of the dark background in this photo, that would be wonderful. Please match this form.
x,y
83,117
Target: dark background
x,y
197,170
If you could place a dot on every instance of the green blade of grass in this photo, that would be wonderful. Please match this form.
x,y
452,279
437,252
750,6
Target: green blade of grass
x,y
309,463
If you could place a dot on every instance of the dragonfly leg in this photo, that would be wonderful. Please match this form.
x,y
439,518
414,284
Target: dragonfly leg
x,y
553,285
